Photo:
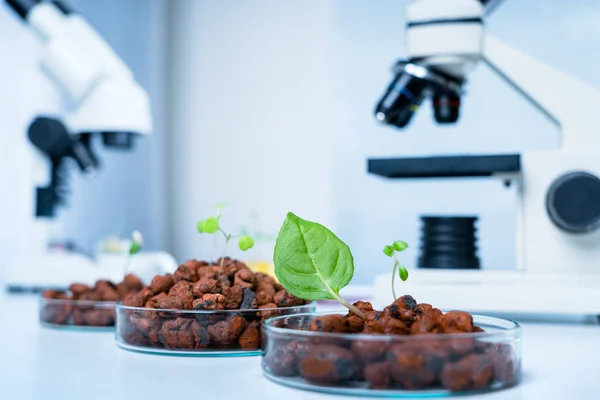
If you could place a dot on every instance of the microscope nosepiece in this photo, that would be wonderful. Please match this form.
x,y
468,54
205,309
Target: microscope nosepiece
x,y
412,83
401,100
446,107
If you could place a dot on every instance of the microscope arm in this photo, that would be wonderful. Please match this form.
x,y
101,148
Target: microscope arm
x,y
102,93
572,104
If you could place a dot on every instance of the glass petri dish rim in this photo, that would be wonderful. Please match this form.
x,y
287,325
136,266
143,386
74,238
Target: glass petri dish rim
x,y
94,303
308,306
507,328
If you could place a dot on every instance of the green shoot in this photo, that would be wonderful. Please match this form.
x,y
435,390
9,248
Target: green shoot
x,y
391,251
137,242
212,225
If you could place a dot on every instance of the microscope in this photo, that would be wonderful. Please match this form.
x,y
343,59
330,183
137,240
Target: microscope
x,y
102,99
557,265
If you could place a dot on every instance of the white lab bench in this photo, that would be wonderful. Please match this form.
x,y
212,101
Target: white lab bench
x,y
561,361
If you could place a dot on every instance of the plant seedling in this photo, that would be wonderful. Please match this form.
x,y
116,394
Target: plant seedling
x,y
391,251
137,241
312,263
212,225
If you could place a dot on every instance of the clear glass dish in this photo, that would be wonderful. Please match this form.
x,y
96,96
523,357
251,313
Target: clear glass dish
x,y
77,314
210,333
405,366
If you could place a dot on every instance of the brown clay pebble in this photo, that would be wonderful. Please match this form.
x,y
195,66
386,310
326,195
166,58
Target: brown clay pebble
x,y
245,278
78,290
170,303
186,272
250,337
133,300
209,302
133,283
329,323
501,355
153,302
54,294
378,322
183,291
206,285
356,323
472,372
403,309
265,290
233,296
161,283
416,365
327,364
285,299
226,332
282,359
230,267
369,351
56,313
378,375
427,320
183,333
456,321
99,317
269,311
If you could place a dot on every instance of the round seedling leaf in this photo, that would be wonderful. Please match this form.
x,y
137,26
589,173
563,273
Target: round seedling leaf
x,y
211,225
245,243
201,226
388,251
399,245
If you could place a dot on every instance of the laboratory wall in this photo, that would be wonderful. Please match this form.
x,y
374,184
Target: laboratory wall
x,y
249,115
270,109
128,193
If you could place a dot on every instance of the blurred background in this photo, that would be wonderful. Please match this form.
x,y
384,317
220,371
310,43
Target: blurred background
x,y
268,106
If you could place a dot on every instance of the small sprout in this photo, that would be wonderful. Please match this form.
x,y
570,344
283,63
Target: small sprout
x,y
137,241
391,251
245,243
399,245
211,225
388,251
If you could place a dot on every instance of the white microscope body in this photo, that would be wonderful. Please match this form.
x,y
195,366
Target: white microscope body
x,y
557,265
101,97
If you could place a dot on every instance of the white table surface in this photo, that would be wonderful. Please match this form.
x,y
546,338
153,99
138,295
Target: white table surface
x,y
561,361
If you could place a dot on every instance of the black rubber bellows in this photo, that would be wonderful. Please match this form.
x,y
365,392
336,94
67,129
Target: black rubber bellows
x,y
448,242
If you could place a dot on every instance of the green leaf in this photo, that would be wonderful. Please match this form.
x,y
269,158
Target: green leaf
x,y
403,273
201,226
211,225
245,243
135,248
399,245
388,251
310,261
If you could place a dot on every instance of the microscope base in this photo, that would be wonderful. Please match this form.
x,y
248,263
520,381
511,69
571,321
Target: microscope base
x,y
510,293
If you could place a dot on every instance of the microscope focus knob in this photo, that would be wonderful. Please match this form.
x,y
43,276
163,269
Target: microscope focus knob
x,y
573,202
